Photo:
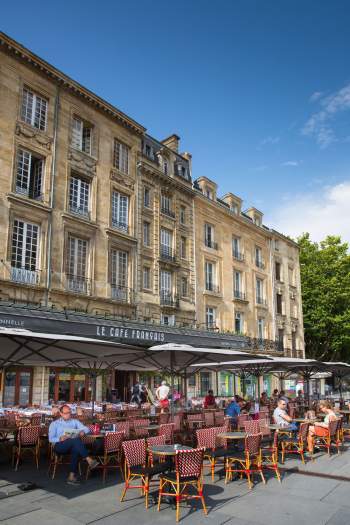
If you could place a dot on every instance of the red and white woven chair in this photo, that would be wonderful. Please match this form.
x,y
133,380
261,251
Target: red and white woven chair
x,y
329,439
124,426
248,462
209,418
294,444
269,454
168,431
188,474
135,468
111,458
140,429
28,440
207,439
219,418
251,426
240,420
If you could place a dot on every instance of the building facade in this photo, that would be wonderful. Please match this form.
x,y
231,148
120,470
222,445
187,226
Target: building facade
x,y
99,219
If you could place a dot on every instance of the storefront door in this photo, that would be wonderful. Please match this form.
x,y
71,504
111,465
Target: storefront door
x,y
69,386
18,387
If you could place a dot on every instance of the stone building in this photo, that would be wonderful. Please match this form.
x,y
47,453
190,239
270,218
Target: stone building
x,y
98,220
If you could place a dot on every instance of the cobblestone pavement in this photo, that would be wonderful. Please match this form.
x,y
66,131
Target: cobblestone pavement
x,y
317,494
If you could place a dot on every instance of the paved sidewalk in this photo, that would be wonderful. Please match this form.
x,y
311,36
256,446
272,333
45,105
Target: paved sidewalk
x,y
314,495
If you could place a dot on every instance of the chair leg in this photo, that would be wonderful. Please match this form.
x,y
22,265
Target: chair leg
x,y
146,481
177,502
160,492
200,492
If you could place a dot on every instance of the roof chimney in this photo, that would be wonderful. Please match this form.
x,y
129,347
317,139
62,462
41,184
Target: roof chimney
x,y
172,142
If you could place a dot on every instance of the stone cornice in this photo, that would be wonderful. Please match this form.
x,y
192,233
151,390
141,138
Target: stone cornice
x,y
15,49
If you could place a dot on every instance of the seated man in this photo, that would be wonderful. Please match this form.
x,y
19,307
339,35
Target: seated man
x,y
280,415
66,441
209,400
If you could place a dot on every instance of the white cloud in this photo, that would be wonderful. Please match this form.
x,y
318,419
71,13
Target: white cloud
x,y
319,125
291,163
320,214
315,96
261,168
269,140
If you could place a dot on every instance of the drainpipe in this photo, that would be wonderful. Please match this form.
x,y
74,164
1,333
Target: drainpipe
x,y
194,255
52,192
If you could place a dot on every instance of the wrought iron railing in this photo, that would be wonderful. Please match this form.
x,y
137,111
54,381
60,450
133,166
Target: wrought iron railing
x,y
25,275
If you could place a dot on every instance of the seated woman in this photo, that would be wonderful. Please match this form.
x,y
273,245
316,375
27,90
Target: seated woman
x,y
321,429
209,400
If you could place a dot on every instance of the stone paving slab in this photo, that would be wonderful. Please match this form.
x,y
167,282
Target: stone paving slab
x,y
300,499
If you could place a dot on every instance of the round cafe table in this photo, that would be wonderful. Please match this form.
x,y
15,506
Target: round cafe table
x,y
232,435
168,450
151,428
278,427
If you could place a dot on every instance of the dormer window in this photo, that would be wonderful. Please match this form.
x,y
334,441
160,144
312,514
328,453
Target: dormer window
x,y
165,167
234,208
208,193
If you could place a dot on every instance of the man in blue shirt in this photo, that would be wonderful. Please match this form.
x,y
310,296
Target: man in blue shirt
x,y
65,435
233,410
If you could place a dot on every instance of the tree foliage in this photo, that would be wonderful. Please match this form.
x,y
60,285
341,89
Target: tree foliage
x,y
325,285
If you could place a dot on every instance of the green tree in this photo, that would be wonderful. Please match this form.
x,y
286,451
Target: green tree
x,y
325,285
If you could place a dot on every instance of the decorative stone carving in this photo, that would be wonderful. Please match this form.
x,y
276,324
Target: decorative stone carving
x,y
82,162
123,180
33,134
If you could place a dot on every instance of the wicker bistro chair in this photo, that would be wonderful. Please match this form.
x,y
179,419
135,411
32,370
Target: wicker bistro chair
x,y
294,445
188,473
163,418
219,417
139,427
135,468
112,451
241,418
151,442
329,439
251,426
209,418
214,448
168,431
270,456
124,426
36,420
249,461
28,440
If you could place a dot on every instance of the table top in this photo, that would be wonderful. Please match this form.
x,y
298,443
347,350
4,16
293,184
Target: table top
x,y
168,450
232,435
8,429
151,427
303,420
278,427
345,411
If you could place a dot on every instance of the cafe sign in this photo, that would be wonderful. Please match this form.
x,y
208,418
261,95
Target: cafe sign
x,y
129,333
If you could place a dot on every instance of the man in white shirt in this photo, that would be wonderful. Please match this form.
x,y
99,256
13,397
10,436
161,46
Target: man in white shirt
x,y
280,415
162,394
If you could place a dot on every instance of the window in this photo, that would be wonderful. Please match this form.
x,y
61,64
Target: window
x,y
291,276
259,291
183,248
210,317
257,220
234,208
77,264
278,271
208,193
277,245
146,197
184,287
34,109
258,258
238,323
166,205
79,196
146,278
279,303
205,382
120,211
182,214
29,174
236,248
81,135
165,167
294,340
280,340
24,252
209,270
226,384
121,156
119,275
166,243
237,285
166,287
261,328
209,236
167,320
146,233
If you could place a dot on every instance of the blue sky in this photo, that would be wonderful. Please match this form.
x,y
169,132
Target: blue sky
x,y
259,91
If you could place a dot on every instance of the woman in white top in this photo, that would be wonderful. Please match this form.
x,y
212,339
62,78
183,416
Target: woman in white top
x,y
321,429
